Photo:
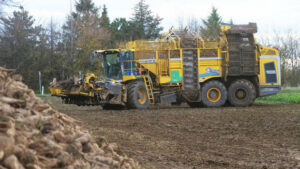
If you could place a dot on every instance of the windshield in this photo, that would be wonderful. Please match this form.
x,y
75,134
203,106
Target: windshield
x,y
112,66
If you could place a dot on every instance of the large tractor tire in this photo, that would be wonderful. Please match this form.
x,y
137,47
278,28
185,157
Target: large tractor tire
x,y
137,97
214,94
241,93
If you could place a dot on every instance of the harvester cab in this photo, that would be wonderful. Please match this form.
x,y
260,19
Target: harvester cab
x,y
111,64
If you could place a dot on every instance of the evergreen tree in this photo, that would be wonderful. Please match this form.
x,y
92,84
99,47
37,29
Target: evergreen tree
x,y
17,39
120,29
105,26
104,20
211,28
84,33
143,24
69,37
85,7
54,57
18,43
85,10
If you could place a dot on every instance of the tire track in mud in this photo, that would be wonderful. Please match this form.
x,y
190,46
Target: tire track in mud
x,y
181,137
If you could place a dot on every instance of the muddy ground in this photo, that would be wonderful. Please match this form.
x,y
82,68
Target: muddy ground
x,y
261,136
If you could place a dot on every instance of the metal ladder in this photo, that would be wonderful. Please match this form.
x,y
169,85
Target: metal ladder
x,y
149,88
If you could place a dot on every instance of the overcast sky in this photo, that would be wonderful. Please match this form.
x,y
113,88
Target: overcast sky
x,y
270,15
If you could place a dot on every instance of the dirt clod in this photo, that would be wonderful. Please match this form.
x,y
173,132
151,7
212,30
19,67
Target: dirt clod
x,y
180,137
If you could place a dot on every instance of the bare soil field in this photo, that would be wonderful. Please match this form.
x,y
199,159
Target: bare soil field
x,y
261,136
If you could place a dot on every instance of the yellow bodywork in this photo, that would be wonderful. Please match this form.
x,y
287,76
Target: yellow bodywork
x,y
269,55
55,91
163,58
88,83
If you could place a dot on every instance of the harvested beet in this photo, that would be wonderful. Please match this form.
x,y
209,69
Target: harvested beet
x,y
34,136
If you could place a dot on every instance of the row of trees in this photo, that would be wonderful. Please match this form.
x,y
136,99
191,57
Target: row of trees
x,y
289,51
288,45
208,28
63,51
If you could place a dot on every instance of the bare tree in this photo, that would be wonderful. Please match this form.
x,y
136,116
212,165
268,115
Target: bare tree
x,y
180,23
293,50
289,51
194,24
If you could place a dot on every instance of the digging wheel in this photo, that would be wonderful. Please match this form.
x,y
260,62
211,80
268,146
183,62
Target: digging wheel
x,y
241,93
137,97
214,94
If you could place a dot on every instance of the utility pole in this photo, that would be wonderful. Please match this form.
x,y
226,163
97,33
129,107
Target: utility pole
x,y
40,81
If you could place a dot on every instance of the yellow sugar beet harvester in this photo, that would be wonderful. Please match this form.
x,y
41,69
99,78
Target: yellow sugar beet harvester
x,y
181,67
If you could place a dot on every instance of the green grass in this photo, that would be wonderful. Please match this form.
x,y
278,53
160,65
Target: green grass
x,y
296,89
45,95
280,98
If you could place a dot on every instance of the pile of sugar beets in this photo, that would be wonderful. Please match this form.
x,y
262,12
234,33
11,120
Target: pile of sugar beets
x,y
35,136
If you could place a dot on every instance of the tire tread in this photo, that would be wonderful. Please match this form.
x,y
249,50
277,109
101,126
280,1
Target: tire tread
x,y
242,82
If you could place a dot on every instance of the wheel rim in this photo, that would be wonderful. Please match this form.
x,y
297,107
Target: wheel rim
x,y
142,96
213,94
240,94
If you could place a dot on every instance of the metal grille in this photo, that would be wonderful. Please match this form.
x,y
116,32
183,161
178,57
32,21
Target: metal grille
x,y
242,55
144,45
208,52
174,54
145,54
